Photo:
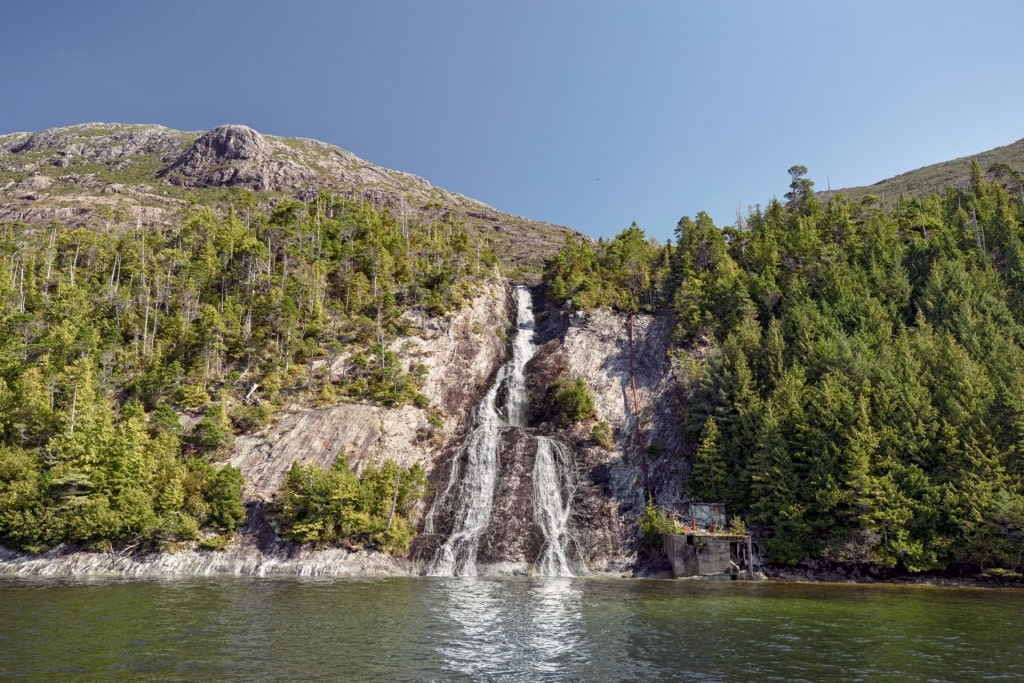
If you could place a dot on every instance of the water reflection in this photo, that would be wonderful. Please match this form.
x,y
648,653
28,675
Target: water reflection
x,y
508,630
528,630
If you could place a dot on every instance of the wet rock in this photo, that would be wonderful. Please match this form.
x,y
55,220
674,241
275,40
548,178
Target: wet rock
x,y
511,535
647,453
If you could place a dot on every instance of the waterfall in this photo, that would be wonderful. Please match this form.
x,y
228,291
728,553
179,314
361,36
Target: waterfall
x,y
473,477
553,488
475,482
523,349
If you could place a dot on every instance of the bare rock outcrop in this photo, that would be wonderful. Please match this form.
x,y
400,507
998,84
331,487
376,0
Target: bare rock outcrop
x,y
460,354
236,155
36,182
91,142
242,557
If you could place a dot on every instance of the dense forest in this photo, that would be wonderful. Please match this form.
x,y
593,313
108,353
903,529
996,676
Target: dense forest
x,y
109,333
853,372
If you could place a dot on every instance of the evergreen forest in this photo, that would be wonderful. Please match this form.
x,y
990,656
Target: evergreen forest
x,y
853,372
131,358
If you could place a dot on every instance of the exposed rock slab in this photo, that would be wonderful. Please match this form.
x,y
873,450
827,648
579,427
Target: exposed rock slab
x,y
460,354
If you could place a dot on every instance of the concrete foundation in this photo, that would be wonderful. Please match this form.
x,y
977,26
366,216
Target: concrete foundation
x,y
708,555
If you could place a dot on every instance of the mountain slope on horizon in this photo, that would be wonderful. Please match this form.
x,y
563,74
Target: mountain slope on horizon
x,y
934,178
147,174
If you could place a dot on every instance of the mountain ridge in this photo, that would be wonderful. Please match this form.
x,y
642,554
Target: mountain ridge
x,y
147,172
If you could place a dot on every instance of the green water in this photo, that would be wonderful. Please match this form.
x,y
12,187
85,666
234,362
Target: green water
x,y
240,629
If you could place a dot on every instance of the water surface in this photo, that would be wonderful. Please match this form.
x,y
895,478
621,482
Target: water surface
x,y
490,629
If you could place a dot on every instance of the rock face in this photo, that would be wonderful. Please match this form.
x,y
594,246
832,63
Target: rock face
x,y
462,355
246,557
645,457
233,155
597,348
226,155
459,353
611,485
92,142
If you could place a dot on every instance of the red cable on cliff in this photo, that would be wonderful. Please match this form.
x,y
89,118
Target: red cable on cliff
x,y
636,413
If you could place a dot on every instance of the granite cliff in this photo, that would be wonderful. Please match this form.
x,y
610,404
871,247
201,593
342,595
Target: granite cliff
x,y
462,355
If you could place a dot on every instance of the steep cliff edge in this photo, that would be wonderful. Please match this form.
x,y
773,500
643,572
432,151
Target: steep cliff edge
x,y
609,481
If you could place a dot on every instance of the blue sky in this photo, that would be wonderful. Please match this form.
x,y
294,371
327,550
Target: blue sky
x,y
590,114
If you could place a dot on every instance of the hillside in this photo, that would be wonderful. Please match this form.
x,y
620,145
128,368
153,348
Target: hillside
x,y
935,178
164,295
97,173
852,375
845,377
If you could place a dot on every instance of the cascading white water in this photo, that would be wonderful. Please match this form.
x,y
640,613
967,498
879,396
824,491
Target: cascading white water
x,y
523,349
553,484
472,485
475,493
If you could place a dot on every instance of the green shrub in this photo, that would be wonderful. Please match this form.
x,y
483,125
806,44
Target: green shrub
x,y
247,419
191,396
654,523
213,432
224,498
601,434
215,542
572,400
1001,573
335,506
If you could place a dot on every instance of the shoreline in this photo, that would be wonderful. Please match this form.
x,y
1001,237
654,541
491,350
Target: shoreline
x,y
231,561
244,559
